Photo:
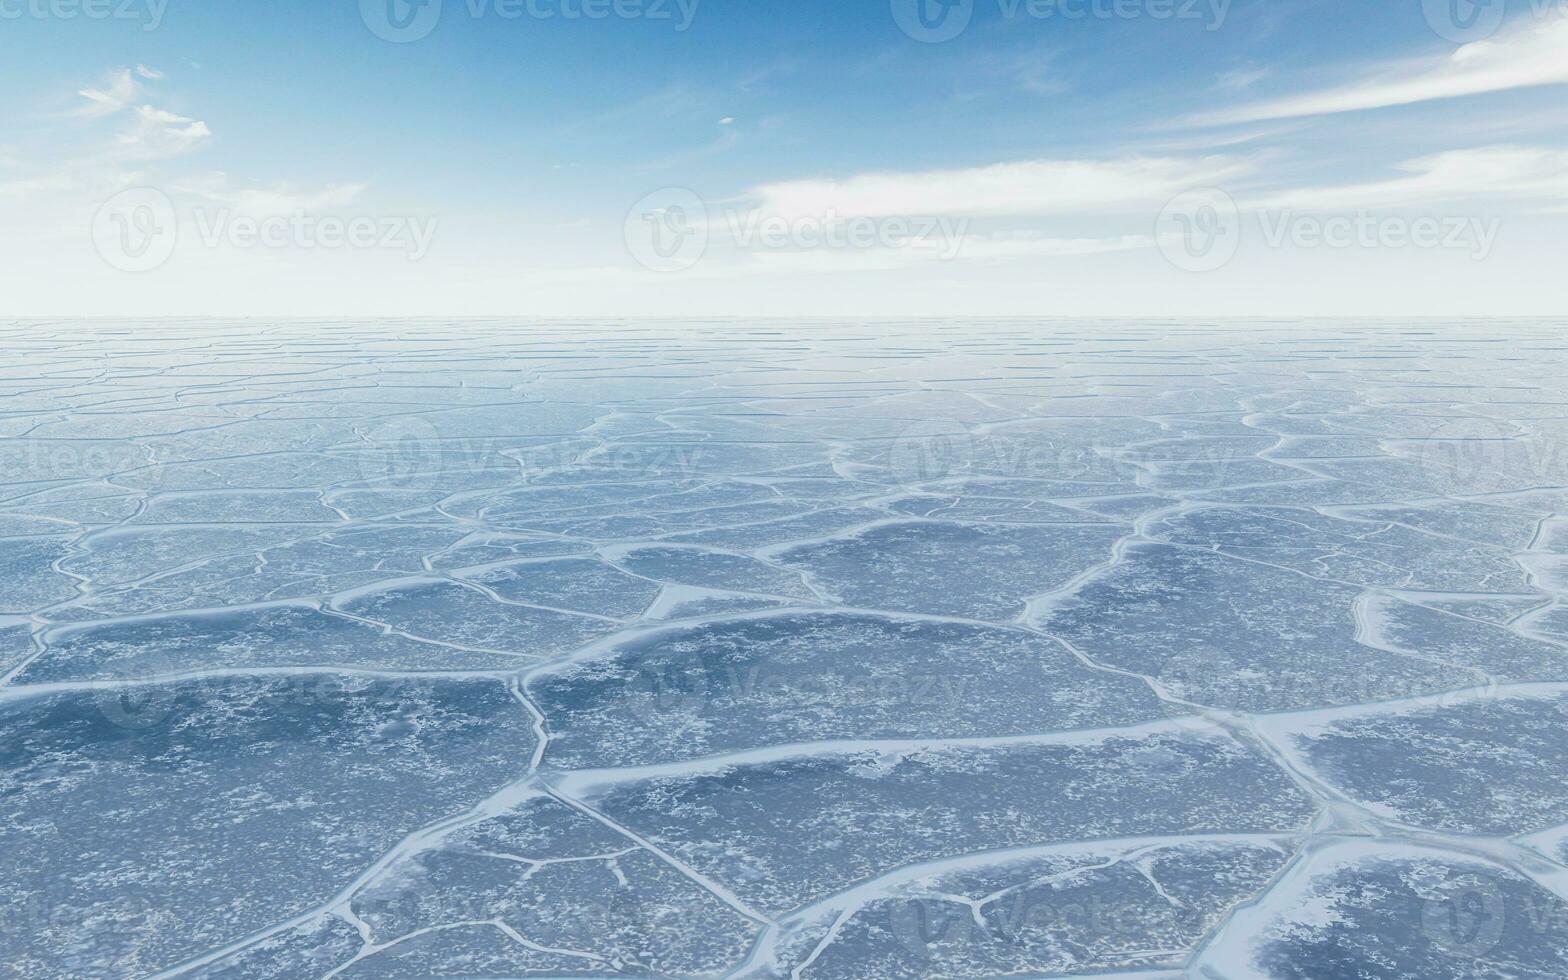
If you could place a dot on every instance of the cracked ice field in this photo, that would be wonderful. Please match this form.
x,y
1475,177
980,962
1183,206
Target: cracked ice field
x,y
763,650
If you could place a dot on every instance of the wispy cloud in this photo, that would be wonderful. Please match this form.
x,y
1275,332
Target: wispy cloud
x,y
158,133
154,133
117,92
1528,174
1027,188
33,186
1532,55
1240,79
272,199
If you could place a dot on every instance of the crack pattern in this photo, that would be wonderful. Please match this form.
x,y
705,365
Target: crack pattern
x,y
719,650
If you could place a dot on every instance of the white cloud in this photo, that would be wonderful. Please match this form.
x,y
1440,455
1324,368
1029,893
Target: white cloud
x,y
32,186
277,199
1026,245
1240,79
1533,55
1029,188
158,133
118,92
1524,173
155,133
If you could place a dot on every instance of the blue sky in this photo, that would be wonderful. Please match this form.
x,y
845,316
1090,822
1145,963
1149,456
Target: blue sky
x,y
1034,163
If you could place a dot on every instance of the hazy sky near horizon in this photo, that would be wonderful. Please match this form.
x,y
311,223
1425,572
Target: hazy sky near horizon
x,y
710,157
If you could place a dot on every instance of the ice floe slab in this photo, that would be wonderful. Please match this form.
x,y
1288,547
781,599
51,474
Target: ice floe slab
x,y
1395,911
1459,636
1490,762
249,507
709,568
978,571
133,571
28,579
1376,550
143,826
769,679
475,949
557,880
788,826
312,949
277,636
819,521
1087,908
573,584
470,617
1239,635
16,643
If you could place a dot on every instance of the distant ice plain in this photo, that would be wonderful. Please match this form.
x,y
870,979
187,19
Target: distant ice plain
x,y
765,649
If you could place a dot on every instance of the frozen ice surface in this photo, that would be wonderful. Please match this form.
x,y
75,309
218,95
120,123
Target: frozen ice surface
x,y
1491,762
1400,912
753,681
788,826
767,650
311,949
564,882
1088,907
1245,636
909,566
141,827
268,636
